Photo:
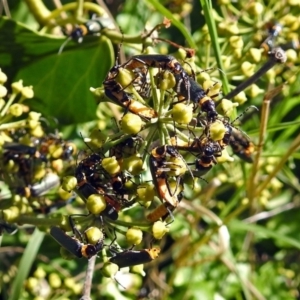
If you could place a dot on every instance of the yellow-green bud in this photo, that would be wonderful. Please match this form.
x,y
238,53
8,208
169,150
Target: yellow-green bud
x,y
233,28
182,113
254,91
226,61
236,41
237,53
31,284
167,81
3,91
255,54
133,164
34,116
69,282
16,109
291,55
138,269
109,269
293,2
40,273
54,280
63,194
228,107
255,8
134,236
203,76
225,157
131,123
32,124
240,98
146,192
37,131
9,215
27,92
55,151
177,166
111,165
217,130
17,87
159,229
3,77
93,235
125,77
96,204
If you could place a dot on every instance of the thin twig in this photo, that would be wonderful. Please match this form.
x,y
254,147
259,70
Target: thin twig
x,y
88,279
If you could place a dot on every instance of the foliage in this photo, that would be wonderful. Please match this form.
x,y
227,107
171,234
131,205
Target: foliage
x,y
236,233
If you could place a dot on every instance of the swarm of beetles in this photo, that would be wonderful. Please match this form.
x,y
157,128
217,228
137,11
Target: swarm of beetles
x,y
167,115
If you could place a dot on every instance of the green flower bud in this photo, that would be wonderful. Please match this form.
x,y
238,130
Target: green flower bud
x,y
36,131
131,123
291,55
255,8
69,183
16,110
34,116
237,53
3,91
94,235
31,284
233,28
254,91
111,165
226,61
134,236
96,203
228,107
3,77
109,269
138,269
236,41
69,282
255,54
54,280
40,273
125,77
146,192
55,151
240,98
159,229
203,76
17,87
97,138
293,2
271,75
133,164
217,130
63,194
182,113
32,124
225,157
27,92
212,87
177,166
11,214
167,81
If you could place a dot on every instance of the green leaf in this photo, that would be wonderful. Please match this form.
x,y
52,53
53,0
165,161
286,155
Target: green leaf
x,y
25,265
60,82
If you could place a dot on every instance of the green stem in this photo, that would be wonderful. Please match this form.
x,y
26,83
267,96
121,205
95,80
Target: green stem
x,y
7,105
